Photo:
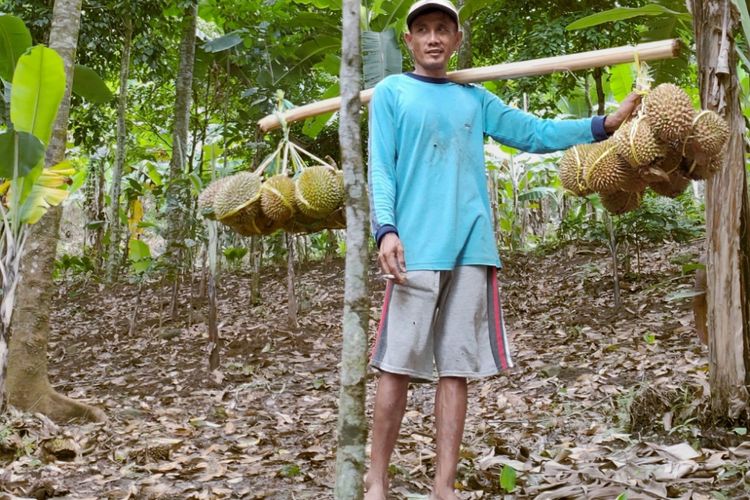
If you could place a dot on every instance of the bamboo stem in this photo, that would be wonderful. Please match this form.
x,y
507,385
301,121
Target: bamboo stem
x,y
663,49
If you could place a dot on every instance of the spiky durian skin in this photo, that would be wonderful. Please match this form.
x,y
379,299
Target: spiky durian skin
x,y
318,191
670,161
669,111
620,202
636,143
239,191
277,198
675,186
660,169
702,168
207,196
709,133
606,172
571,169
247,223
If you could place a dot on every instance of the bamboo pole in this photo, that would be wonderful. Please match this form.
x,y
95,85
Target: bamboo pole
x,y
663,49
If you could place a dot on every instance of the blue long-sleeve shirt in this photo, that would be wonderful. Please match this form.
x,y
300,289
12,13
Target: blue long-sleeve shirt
x,y
427,169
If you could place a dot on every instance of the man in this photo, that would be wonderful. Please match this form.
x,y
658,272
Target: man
x,y
432,222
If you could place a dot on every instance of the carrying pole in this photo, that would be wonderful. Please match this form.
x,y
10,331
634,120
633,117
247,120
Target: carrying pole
x,y
663,49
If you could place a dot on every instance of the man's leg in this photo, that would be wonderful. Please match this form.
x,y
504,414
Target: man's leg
x,y
390,404
450,414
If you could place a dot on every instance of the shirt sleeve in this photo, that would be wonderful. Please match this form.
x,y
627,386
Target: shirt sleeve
x,y
382,160
524,131
597,127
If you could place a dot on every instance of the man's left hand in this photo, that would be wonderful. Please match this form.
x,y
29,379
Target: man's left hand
x,y
626,109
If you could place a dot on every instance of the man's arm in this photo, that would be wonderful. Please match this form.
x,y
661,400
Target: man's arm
x,y
627,108
391,257
382,181
527,132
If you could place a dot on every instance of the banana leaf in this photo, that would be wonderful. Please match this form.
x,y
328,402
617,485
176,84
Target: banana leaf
x,y
38,87
381,56
49,189
15,39
90,86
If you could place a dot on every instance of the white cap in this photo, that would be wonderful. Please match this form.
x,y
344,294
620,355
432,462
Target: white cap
x,y
423,5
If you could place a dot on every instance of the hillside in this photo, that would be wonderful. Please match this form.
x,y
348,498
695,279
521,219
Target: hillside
x,y
602,401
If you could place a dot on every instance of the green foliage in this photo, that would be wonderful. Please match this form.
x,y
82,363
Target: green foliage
x,y
37,90
621,80
508,479
381,56
139,255
15,39
224,42
290,470
38,87
622,13
20,152
524,185
744,52
234,255
87,84
471,7
73,264
657,219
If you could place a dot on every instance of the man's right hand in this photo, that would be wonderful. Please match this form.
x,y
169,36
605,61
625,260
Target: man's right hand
x,y
391,257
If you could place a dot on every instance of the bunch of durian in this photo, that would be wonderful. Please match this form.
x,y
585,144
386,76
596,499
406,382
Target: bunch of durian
x,y
310,200
662,147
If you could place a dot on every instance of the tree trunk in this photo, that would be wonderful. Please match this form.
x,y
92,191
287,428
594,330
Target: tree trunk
x,y
177,189
214,342
113,254
291,297
464,50
727,217
256,257
600,97
94,210
613,248
28,385
352,424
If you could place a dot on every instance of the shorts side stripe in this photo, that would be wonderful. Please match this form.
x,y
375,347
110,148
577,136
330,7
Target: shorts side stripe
x,y
382,330
500,337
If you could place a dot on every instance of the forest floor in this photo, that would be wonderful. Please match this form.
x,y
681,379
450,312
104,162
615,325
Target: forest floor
x,y
603,402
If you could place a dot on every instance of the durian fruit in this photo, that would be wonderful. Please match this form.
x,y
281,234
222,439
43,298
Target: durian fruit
x,y
660,169
247,224
605,172
669,111
701,169
207,196
319,190
337,219
708,134
277,198
238,200
636,143
673,187
572,169
620,202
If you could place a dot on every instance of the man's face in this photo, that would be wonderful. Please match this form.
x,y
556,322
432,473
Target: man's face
x,y
432,39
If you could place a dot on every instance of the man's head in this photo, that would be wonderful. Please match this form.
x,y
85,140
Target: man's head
x,y
424,6
433,36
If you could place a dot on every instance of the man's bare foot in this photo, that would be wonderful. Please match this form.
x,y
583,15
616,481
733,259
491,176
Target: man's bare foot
x,y
375,492
444,495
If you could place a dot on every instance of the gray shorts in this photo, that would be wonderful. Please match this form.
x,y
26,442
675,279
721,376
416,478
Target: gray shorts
x,y
445,321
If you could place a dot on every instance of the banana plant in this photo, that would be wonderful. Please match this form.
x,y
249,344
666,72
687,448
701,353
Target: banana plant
x,y
27,189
